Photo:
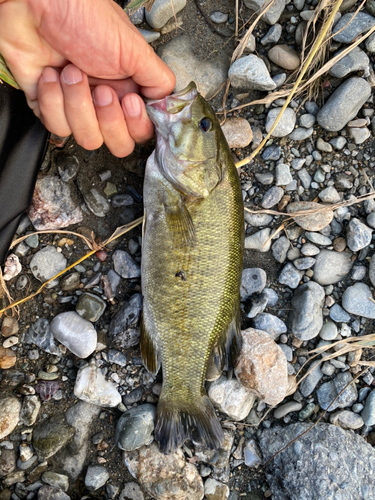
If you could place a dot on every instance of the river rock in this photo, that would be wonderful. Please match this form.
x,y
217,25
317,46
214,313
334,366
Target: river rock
x,y
237,132
328,331
331,267
358,235
306,318
51,493
125,265
344,104
313,378
10,408
46,263
75,333
90,306
368,413
372,270
29,411
290,276
274,12
231,398
338,314
253,281
208,75
270,324
258,220
57,480
41,335
280,249
311,222
163,10
285,57
52,205
96,477
92,387
262,367
318,464
218,459
124,326
351,25
286,122
165,477
250,73
94,197
283,175
328,391
358,300
50,435
356,60
347,420
260,240
72,457
214,490
135,427
329,195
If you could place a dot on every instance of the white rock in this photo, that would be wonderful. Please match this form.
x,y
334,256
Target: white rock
x,y
214,490
75,333
12,267
250,73
9,415
286,123
230,397
92,387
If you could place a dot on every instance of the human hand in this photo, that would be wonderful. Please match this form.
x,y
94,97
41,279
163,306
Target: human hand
x,y
82,65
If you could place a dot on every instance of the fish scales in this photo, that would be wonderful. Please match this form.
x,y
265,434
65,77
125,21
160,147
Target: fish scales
x,y
191,290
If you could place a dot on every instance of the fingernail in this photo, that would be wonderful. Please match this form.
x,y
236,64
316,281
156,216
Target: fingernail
x,y
49,75
102,96
71,74
132,105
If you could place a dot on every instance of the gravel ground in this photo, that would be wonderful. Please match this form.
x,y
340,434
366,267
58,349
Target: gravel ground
x,y
76,403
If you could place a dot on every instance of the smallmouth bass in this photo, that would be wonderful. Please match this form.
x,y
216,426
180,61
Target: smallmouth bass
x,y
192,253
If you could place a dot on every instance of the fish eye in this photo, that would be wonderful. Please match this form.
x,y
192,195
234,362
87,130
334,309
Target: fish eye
x,y
205,124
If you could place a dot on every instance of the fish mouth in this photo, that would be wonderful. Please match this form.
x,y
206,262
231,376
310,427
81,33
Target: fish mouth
x,y
171,104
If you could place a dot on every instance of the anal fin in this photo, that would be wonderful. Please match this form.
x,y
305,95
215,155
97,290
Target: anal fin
x,y
149,352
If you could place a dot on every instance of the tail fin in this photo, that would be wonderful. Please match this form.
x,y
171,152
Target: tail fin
x,y
197,421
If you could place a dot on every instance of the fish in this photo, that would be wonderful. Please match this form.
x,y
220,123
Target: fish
x,y
192,251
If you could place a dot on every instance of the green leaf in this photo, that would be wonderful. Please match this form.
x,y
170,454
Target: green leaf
x,y
137,4
6,75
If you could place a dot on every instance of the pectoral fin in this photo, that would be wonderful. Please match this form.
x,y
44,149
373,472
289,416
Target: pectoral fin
x,y
180,225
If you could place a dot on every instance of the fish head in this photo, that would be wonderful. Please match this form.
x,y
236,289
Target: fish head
x,y
188,141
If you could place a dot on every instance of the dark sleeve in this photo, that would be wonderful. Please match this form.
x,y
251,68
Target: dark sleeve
x,y
23,142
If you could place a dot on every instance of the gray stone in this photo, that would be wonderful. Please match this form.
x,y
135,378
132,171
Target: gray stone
x,y
51,493
347,420
96,477
29,411
72,457
359,135
274,12
318,464
52,206
283,175
271,324
41,335
338,314
272,197
352,25
46,263
358,235
301,134
219,17
162,11
208,75
258,220
372,270
131,491
344,103
138,17
280,249
286,123
329,195
328,331
370,43
307,120
265,178
338,142
287,408
368,413
332,267
253,281
309,250
7,461
328,392
250,73
311,107
273,35
67,165
50,435
116,357
272,152
90,306
149,36
251,44
306,318
290,276
304,263
358,273
125,265
358,300
304,177
124,326
313,378
356,60
259,241
232,398
94,197
323,145
56,480
135,427
318,238
75,333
